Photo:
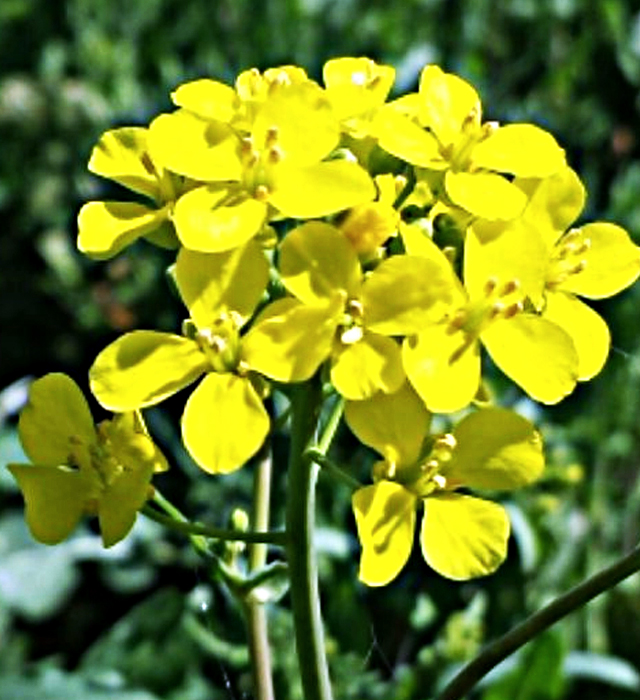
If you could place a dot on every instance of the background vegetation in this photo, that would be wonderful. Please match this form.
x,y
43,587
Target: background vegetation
x,y
141,621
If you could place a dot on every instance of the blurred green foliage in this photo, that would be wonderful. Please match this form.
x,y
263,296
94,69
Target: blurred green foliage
x,y
142,620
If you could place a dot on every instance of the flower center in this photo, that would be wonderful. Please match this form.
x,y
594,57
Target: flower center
x,y
220,342
568,257
500,300
350,330
258,161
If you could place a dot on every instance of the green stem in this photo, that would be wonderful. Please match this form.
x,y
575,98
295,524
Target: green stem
x,y
579,595
199,533
300,510
333,469
259,650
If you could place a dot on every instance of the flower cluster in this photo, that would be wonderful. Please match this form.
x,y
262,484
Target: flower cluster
x,y
307,221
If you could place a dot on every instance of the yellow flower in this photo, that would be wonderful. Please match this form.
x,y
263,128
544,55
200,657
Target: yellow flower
x,y
469,155
596,260
80,469
442,361
224,421
356,88
105,228
264,155
341,314
461,536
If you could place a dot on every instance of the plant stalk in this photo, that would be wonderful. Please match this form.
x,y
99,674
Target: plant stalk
x,y
535,624
259,649
300,512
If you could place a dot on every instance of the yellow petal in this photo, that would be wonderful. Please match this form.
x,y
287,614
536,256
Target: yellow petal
x,y
55,412
290,340
208,99
536,354
316,260
212,220
495,449
588,331
320,189
444,368
487,195
612,262
122,500
299,119
212,282
143,368
520,149
516,253
372,364
198,148
122,156
463,537
393,424
406,292
105,228
224,423
555,202
385,517
54,499
404,139
447,104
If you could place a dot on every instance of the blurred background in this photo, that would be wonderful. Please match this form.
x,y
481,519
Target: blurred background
x,y
141,620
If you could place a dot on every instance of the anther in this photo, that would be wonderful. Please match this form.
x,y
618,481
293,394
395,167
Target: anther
x,y
261,193
490,286
509,287
274,155
271,136
513,309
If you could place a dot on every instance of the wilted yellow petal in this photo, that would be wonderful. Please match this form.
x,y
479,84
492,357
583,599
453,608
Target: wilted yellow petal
x,y
56,411
495,449
487,195
372,364
290,340
143,368
588,331
536,354
224,423
443,367
385,516
54,499
212,282
320,189
122,156
212,220
393,424
612,262
519,149
208,99
105,228
316,260
198,148
463,537
121,501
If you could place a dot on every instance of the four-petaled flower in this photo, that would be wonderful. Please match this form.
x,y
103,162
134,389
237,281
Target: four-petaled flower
x,y
79,468
461,536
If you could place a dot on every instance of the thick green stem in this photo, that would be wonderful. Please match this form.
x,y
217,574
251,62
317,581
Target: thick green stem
x,y
541,620
300,511
259,649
